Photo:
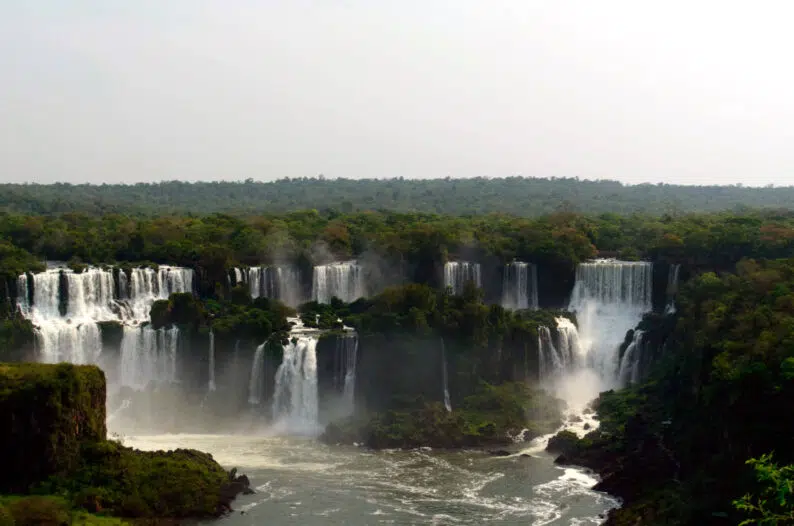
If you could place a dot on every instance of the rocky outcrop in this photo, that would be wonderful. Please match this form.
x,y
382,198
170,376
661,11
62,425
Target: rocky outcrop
x,y
46,413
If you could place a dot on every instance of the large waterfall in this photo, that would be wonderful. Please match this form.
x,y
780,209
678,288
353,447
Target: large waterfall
x,y
458,273
68,306
520,286
281,282
148,356
343,280
295,404
609,298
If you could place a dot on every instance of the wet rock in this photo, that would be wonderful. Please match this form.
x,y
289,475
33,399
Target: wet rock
x,y
499,452
230,490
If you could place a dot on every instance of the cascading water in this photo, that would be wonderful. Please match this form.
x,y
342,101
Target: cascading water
x,y
520,286
281,282
211,359
458,273
67,307
148,356
344,280
445,378
672,287
295,403
609,298
630,363
345,377
256,382
147,285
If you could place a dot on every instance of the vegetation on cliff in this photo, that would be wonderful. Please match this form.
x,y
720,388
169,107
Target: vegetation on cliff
x,y
491,416
676,448
54,443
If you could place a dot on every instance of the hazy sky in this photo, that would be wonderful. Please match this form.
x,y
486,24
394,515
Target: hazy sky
x,y
691,92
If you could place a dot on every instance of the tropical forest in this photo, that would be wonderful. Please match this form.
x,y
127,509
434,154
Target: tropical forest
x,y
544,352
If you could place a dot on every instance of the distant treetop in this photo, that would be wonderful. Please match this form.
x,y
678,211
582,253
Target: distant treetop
x,y
521,196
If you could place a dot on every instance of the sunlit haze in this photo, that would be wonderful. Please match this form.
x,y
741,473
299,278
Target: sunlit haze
x,y
119,91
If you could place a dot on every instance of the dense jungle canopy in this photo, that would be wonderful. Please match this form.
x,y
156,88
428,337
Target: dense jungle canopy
x,y
520,196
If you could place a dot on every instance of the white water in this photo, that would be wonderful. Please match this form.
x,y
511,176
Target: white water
x,y
672,288
91,297
256,382
347,356
630,364
281,282
301,482
445,378
295,404
343,280
147,286
520,286
148,356
211,359
458,273
609,299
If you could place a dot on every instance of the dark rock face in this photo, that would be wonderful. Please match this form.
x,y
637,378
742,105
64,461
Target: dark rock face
x,y
236,486
564,443
46,413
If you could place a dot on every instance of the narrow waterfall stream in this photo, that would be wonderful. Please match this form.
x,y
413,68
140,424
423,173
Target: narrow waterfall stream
x,y
444,377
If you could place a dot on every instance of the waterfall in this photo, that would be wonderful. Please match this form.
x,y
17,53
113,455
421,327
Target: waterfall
x,y
65,308
211,360
520,286
609,298
344,280
281,282
458,273
672,287
256,383
629,372
148,356
295,397
345,377
444,378
148,285
549,361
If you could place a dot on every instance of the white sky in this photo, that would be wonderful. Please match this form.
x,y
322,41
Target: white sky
x,y
691,92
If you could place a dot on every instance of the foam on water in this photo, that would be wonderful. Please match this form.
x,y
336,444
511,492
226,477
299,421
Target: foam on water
x,y
309,482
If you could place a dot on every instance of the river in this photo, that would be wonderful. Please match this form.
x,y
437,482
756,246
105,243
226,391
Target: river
x,y
301,481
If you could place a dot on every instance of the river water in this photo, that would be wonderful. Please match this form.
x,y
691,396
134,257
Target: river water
x,y
301,481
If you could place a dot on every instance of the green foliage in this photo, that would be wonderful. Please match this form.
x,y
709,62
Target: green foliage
x,y
514,195
39,511
15,334
52,410
491,416
676,447
6,519
129,483
775,505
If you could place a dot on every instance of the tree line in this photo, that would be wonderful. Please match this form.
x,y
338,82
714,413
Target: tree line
x,y
521,196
